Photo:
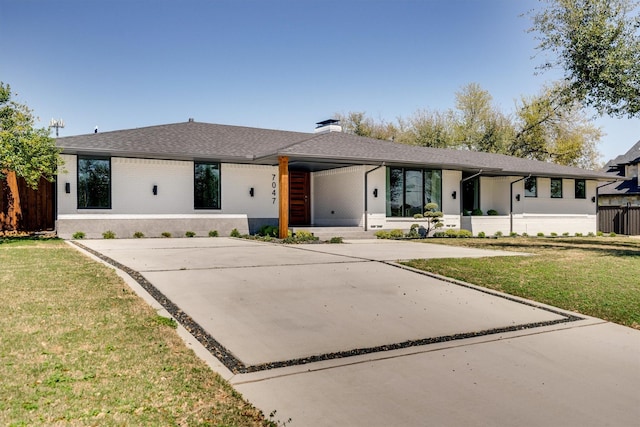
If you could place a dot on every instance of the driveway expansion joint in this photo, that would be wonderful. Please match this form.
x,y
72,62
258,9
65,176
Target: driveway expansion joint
x,y
236,366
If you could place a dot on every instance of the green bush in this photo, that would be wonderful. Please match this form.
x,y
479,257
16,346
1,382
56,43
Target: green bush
x,y
451,233
413,231
498,234
108,235
578,234
540,234
165,234
482,234
190,234
138,235
525,234
553,234
513,234
476,212
335,240
389,234
439,234
612,234
565,234
492,212
235,233
213,233
591,234
599,234
464,234
304,236
79,235
268,230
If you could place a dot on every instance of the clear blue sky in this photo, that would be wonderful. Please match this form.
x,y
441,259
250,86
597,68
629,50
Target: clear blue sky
x,y
281,64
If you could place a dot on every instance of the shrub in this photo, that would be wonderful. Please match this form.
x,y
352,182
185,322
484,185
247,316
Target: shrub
x,y
213,233
492,212
268,230
78,235
433,216
396,234
165,234
108,235
451,233
554,234
190,234
565,234
335,240
590,234
464,234
466,213
235,233
138,234
413,231
476,212
578,234
498,234
599,234
540,234
305,236
513,234
418,216
612,234
482,234
439,234
525,234
382,234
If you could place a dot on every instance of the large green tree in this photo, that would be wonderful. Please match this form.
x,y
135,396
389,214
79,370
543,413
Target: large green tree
x,y
597,44
28,152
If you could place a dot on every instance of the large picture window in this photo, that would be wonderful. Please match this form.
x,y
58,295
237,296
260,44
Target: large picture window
x,y
531,187
408,190
556,188
206,185
94,183
581,189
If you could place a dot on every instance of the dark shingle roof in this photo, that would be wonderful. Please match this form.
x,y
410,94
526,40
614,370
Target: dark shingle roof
x,y
194,140
630,157
628,187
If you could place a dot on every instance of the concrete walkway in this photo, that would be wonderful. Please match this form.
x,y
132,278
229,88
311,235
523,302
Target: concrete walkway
x,y
341,335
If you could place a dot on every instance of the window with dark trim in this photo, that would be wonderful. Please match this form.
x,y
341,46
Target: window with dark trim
x,y
94,183
206,188
409,190
531,187
556,188
581,189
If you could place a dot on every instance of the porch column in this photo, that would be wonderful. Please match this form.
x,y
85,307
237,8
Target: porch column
x,y
283,163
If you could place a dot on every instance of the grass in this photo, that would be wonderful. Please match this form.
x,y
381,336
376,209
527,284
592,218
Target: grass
x,y
594,276
78,347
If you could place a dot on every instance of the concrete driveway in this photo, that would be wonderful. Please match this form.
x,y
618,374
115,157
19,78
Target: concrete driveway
x,y
341,335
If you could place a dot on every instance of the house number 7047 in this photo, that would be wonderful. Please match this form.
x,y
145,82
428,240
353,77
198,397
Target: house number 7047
x,y
273,188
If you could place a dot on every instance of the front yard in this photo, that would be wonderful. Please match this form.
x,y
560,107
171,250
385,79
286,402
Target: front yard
x,y
596,276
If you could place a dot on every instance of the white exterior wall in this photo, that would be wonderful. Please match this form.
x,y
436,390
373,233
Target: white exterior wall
x,y
135,208
338,196
494,194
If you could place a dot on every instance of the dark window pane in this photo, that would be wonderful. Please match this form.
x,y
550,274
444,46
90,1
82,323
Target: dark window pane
x,y
395,190
581,189
433,187
556,188
94,183
414,193
207,186
531,187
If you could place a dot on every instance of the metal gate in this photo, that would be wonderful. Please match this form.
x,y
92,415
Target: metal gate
x,y
619,219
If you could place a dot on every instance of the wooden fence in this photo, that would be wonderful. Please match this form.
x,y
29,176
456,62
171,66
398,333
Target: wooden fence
x,y
619,219
25,209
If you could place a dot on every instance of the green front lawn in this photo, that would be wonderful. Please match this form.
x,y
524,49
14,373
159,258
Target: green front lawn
x,y
597,276
78,347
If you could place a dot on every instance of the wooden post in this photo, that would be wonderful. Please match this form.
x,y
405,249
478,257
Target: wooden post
x,y
283,163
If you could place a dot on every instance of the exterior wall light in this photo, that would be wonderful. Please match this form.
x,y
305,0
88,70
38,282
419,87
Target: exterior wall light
x,y
517,197
251,192
454,195
593,199
67,187
155,190
375,192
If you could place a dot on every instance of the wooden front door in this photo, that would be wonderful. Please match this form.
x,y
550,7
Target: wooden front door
x,y
299,200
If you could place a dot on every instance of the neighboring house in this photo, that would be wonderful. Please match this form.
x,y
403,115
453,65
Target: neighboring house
x,y
619,202
199,177
625,190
